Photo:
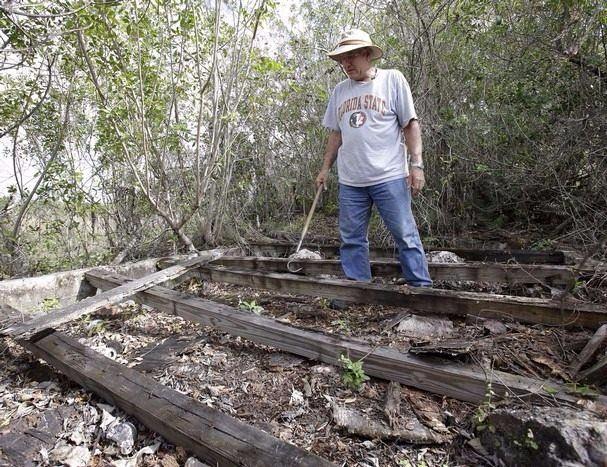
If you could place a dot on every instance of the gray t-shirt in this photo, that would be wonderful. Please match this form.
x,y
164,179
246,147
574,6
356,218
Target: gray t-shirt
x,y
370,116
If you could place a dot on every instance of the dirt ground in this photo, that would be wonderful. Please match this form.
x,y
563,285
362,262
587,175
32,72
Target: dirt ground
x,y
44,417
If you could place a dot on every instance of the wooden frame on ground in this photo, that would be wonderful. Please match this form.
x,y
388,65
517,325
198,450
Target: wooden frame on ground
x,y
215,437
478,272
226,441
280,248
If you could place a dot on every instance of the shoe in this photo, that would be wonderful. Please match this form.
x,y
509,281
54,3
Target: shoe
x,y
402,281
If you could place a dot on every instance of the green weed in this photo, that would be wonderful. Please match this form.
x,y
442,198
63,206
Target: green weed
x,y
48,304
250,306
353,374
484,409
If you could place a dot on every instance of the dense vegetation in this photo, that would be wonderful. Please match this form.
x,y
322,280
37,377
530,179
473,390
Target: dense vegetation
x,y
180,124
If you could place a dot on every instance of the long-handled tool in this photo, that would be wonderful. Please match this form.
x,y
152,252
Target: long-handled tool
x,y
310,214
308,254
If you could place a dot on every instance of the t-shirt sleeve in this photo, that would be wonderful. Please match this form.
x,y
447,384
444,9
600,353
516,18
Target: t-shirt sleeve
x,y
403,100
330,119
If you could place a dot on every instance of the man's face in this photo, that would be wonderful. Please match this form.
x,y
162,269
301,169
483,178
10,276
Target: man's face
x,y
355,63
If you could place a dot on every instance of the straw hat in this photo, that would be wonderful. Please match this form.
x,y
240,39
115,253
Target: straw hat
x,y
352,40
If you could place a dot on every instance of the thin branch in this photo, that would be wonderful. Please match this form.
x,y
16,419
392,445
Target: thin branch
x,y
17,170
37,106
11,11
47,166
89,63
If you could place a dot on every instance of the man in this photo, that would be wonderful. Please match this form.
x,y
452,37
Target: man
x,y
368,114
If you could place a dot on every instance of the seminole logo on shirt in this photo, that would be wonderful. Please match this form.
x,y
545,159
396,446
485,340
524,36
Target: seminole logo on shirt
x,y
357,104
358,119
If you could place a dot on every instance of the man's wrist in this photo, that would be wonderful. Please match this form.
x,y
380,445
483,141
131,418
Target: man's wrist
x,y
417,165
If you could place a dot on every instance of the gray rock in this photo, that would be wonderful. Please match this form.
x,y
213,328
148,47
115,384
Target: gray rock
x,y
193,462
495,327
22,440
546,436
124,434
305,254
72,456
423,326
443,257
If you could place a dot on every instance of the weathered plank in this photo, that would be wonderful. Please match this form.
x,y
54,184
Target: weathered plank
x,y
527,310
595,342
461,381
214,437
478,272
520,256
596,374
91,304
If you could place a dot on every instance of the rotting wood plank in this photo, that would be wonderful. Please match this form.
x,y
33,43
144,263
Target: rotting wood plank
x,y
478,272
596,374
470,254
449,302
590,349
91,304
458,380
214,437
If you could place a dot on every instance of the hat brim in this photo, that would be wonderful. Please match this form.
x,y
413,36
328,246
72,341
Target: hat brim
x,y
376,52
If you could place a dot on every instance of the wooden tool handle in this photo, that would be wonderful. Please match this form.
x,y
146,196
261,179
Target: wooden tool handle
x,y
310,214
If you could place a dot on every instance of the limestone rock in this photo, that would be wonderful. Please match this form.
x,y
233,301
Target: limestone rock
x,y
124,435
546,436
305,254
424,326
443,257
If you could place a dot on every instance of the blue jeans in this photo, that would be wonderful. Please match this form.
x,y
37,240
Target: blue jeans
x,y
393,201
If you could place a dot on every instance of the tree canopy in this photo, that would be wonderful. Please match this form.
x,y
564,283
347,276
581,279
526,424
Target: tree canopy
x,y
184,123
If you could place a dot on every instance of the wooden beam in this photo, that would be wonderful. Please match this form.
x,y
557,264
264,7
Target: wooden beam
x,y
595,342
92,304
596,374
478,272
470,254
453,379
449,302
214,437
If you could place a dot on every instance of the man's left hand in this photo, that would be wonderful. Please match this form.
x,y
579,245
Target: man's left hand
x,y
416,180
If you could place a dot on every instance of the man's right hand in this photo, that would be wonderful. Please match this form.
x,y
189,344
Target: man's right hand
x,y
322,178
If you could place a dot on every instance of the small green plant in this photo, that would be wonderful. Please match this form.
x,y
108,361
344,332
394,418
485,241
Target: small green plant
x,y
550,390
96,326
543,245
581,389
250,306
91,325
342,324
49,304
530,440
353,374
484,409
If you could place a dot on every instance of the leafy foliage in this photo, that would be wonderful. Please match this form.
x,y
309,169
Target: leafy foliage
x,y
251,306
353,375
164,125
